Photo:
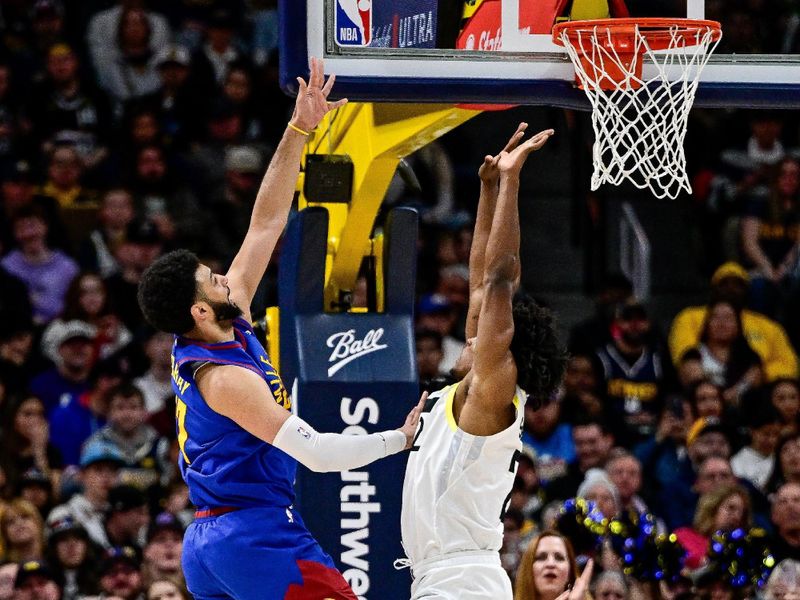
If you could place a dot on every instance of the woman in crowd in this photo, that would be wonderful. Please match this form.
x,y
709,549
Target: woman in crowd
x,y
87,300
70,552
26,442
548,571
785,397
769,236
598,488
787,463
21,532
706,400
238,88
724,509
725,356
129,71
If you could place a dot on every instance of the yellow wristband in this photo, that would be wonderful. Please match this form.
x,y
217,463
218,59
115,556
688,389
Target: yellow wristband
x,y
297,129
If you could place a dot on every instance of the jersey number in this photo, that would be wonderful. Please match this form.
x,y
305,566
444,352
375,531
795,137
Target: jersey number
x,y
414,446
180,415
512,468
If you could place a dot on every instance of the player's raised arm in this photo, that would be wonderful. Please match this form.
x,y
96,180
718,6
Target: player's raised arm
x,y
490,179
245,398
494,372
274,199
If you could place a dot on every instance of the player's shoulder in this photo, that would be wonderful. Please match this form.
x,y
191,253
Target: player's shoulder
x,y
221,377
437,388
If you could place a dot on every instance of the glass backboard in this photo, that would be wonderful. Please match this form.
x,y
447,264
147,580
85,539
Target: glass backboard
x,y
501,51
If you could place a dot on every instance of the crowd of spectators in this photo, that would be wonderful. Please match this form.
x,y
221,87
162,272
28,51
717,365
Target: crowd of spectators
x,y
126,129
126,132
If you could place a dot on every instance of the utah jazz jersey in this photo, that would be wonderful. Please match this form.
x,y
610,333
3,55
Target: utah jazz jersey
x,y
223,464
457,484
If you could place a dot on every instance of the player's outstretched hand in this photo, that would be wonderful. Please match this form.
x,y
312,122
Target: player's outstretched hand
x,y
412,420
511,162
488,171
312,98
581,585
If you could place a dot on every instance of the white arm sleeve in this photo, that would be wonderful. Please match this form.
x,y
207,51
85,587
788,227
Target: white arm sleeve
x,y
325,452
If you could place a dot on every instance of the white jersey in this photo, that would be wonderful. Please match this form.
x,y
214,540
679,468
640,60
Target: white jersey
x,y
457,486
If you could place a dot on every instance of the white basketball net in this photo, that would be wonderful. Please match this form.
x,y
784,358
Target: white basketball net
x,y
640,124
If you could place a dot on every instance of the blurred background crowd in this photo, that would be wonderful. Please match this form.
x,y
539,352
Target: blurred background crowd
x,y
670,455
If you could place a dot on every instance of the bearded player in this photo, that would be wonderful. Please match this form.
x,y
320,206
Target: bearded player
x,y
464,458
239,444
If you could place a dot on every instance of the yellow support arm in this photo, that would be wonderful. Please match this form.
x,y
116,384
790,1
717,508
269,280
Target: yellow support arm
x,y
376,136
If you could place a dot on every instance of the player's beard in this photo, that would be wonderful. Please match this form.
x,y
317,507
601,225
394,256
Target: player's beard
x,y
225,311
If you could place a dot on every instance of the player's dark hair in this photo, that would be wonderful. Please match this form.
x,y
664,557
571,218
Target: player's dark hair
x,y
167,291
538,354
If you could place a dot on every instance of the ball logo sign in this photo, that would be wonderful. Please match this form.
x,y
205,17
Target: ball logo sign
x,y
353,22
346,348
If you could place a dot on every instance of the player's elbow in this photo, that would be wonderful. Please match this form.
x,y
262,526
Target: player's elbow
x,y
317,466
505,270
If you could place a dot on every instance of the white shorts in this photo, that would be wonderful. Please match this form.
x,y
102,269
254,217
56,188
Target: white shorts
x,y
471,576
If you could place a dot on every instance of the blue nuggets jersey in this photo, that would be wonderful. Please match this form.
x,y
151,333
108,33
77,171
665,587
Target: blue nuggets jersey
x,y
223,464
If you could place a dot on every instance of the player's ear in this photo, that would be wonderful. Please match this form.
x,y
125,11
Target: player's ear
x,y
200,311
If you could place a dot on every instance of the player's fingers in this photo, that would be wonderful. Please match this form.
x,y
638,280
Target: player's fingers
x,y
315,77
422,400
337,104
540,138
515,139
302,86
326,89
586,576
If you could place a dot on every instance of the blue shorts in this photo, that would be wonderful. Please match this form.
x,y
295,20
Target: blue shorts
x,y
258,554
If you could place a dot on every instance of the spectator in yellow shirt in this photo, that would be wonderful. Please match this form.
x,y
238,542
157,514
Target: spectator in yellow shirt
x,y
765,336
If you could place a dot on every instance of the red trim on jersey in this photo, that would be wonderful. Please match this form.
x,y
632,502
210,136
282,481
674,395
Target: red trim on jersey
x,y
218,346
319,581
215,512
218,361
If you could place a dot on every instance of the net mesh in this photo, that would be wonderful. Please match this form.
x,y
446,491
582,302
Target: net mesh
x,y
640,121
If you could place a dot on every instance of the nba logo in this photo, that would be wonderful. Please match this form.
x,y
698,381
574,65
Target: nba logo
x,y
353,23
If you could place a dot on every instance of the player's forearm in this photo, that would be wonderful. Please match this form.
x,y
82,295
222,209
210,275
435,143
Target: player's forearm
x,y
326,452
502,246
275,195
487,203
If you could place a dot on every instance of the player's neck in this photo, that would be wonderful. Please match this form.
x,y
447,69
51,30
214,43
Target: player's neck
x,y
212,333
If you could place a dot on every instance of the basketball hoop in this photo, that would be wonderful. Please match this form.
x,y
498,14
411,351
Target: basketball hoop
x,y
640,76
